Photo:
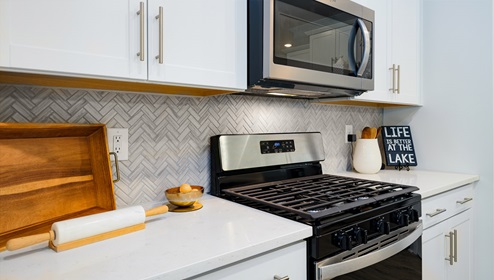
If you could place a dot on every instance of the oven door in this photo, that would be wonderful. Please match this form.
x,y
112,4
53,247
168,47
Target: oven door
x,y
393,256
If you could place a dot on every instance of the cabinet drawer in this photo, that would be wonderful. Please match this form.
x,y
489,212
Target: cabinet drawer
x,y
442,206
287,261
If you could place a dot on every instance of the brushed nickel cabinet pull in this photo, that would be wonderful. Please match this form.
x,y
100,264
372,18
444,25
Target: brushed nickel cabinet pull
x,y
455,232
393,70
276,277
160,35
451,248
398,79
438,211
140,54
465,200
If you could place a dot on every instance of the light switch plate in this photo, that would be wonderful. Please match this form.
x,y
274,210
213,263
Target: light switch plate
x,y
118,142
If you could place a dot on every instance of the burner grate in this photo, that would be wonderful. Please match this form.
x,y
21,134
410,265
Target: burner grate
x,y
321,195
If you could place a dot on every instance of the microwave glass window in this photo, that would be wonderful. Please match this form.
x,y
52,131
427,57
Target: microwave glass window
x,y
312,35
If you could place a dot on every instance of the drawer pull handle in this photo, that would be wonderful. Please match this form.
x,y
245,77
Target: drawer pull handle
x,y
276,277
438,211
465,200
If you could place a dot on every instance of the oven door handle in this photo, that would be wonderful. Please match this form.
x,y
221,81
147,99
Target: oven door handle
x,y
329,271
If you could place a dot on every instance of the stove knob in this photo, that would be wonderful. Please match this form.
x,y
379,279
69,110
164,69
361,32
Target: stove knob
x,y
414,215
348,243
364,236
397,217
382,226
378,224
357,235
343,240
405,220
387,228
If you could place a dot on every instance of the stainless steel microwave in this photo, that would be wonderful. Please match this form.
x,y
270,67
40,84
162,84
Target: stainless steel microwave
x,y
310,48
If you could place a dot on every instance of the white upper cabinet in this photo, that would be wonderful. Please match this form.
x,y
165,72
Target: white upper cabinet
x,y
203,43
89,37
396,52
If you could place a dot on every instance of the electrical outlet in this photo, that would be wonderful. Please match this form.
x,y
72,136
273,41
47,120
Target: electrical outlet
x,y
118,142
348,130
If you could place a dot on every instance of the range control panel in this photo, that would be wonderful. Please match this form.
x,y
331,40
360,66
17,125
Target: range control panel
x,y
278,146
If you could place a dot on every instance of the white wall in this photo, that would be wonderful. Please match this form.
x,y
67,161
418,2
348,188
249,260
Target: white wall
x,y
454,129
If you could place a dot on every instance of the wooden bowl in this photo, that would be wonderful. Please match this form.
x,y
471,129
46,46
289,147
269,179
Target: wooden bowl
x,y
179,199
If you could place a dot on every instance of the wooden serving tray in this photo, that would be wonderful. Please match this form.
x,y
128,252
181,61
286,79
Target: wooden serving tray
x,y
49,173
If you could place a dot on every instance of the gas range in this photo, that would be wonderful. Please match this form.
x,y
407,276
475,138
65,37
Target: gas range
x,y
281,174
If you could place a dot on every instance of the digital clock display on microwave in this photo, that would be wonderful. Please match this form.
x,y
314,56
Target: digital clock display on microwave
x,y
277,146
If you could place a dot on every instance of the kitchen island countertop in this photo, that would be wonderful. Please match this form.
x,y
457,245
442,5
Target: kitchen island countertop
x,y
172,246
430,183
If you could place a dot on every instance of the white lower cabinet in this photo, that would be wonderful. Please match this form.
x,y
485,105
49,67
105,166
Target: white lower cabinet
x,y
447,237
289,261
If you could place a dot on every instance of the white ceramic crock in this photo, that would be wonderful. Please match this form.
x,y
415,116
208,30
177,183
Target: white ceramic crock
x,y
367,156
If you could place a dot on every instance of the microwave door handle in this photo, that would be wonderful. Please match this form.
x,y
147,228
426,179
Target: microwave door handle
x,y
351,48
367,47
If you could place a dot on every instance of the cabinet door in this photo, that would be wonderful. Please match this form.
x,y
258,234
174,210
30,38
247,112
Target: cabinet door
x,y
436,248
382,56
93,37
204,42
433,252
396,41
462,268
405,49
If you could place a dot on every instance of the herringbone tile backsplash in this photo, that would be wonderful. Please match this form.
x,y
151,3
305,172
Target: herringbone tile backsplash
x,y
169,135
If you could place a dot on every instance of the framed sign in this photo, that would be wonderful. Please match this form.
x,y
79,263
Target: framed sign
x,y
398,147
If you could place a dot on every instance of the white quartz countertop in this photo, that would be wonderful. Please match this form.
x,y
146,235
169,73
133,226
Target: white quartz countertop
x,y
430,183
181,245
173,246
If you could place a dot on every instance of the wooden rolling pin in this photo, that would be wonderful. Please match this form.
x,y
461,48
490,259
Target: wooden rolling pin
x,y
82,228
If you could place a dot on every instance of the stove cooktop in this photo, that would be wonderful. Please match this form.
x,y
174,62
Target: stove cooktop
x,y
321,196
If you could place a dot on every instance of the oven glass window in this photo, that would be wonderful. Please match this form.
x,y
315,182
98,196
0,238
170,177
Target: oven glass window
x,y
312,35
